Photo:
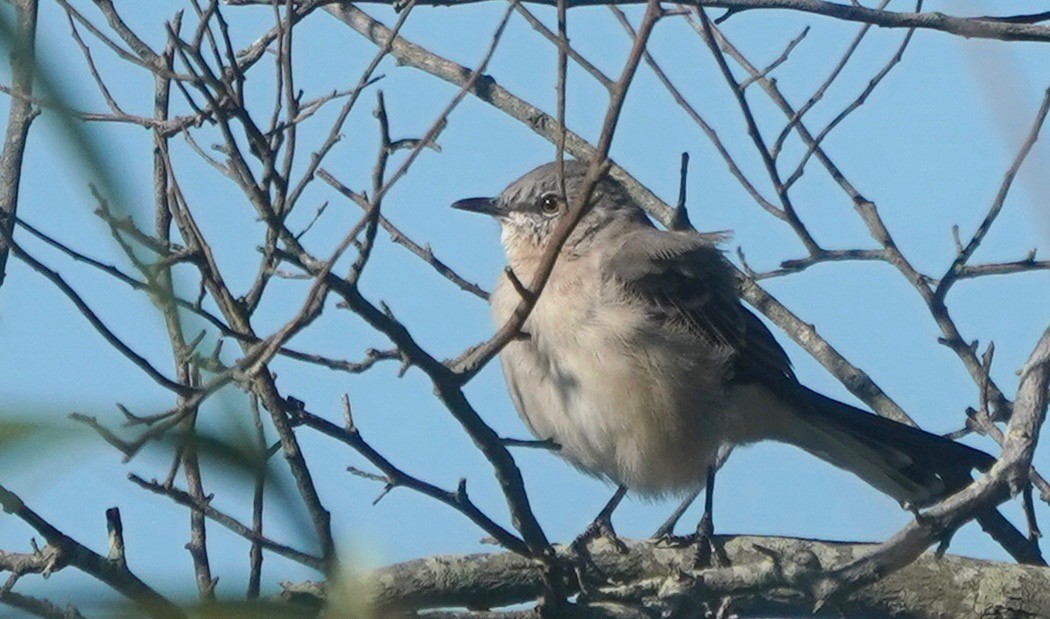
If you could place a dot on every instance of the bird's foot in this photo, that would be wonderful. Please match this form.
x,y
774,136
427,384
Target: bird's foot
x,y
705,547
665,534
708,552
589,576
670,540
666,531
702,541
601,528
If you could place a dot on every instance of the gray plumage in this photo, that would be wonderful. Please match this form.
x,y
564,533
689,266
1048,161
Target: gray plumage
x,y
641,361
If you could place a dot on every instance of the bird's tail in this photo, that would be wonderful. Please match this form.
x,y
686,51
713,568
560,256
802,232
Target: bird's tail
x,y
912,466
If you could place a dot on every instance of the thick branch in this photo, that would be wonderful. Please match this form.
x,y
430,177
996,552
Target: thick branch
x,y
19,117
949,587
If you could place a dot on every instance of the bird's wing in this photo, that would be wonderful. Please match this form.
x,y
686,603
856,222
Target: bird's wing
x,y
687,284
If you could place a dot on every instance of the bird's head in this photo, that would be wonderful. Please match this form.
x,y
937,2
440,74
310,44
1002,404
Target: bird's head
x,y
530,208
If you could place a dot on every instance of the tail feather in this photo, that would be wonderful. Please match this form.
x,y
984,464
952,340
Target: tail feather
x,y
908,464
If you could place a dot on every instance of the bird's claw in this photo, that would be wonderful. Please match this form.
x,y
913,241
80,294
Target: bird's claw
x,y
589,576
601,528
670,540
702,540
705,547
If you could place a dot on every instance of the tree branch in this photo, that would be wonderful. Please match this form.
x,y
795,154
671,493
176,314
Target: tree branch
x,y
19,117
1001,28
109,571
766,577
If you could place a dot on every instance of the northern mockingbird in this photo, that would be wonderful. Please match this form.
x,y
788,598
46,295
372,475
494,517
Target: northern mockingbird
x,y
640,361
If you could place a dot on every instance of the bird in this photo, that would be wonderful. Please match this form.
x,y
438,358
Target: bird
x,y
640,361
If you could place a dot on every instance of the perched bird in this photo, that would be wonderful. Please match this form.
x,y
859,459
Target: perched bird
x,y
641,362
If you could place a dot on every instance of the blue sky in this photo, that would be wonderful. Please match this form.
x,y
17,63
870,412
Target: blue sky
x,y
929,148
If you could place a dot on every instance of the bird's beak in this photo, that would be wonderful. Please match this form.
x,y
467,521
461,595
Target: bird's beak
x,y
485,206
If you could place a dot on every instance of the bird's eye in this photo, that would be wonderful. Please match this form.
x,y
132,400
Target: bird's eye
x,y
550,204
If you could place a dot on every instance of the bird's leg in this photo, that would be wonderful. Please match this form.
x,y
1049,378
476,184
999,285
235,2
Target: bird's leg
x,y
705,529
602,525
666,530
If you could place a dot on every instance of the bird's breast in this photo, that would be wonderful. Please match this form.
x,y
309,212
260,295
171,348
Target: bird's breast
x,y
623,398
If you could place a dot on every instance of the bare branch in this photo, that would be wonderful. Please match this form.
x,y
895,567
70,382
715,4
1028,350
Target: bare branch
x,y
399,237
1001,28
1007,478
958,266
19,117
661,578
395,477
183,498
473,360
70,552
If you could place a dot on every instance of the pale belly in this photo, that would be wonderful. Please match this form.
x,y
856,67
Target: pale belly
x,y
623,400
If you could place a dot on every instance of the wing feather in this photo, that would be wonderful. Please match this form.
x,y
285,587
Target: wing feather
x,y
685,280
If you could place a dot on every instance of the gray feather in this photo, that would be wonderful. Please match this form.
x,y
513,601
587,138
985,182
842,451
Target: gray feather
x,y
687,282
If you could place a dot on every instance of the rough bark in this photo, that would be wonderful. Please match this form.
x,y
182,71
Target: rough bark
x,y
19,118
947,587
